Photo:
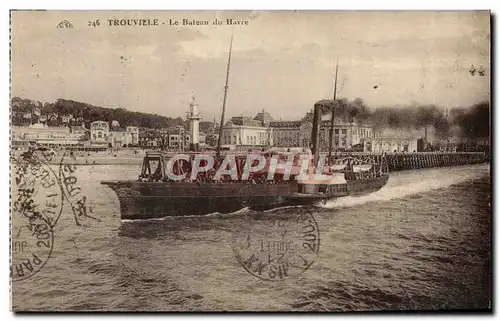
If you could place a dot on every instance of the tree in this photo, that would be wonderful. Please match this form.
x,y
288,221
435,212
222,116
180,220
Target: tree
x,y
475,123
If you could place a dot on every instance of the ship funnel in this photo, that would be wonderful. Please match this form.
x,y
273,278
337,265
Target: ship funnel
x,y
320,108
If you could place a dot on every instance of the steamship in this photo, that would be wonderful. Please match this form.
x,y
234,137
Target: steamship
x,y
156,195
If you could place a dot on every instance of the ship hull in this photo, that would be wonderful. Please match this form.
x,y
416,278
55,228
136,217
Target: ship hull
x,y
366,186
146,200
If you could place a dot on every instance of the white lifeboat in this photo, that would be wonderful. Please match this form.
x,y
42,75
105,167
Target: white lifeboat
x,y
337,167
362,168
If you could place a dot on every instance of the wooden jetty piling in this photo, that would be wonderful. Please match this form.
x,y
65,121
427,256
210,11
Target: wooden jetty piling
x,y
405,161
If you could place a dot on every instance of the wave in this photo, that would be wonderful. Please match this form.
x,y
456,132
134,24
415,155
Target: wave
x,y
215,214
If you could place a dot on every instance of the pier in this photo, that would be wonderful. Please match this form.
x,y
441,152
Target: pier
x,y
406,161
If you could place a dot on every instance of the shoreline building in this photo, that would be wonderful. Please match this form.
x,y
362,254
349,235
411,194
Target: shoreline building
x,y
291,133
124,137
132,137
102,135
297,133
150,138
47,136
177,138
391,141
99,133
264,130
244,131
117,137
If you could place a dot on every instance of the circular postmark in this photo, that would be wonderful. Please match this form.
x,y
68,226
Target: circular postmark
x,y
37,202
274,247
72,192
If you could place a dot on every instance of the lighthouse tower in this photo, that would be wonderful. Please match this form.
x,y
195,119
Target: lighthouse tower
x,y
193,115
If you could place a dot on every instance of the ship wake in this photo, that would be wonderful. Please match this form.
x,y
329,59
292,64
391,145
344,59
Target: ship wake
x,y
403,184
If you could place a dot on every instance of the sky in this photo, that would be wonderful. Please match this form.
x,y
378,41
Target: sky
x,y
282,61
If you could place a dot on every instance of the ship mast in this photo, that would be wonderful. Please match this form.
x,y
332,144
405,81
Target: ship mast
x,y
330,143
219,140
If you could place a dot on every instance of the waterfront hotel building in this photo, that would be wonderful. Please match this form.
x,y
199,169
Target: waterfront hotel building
x,y
263,130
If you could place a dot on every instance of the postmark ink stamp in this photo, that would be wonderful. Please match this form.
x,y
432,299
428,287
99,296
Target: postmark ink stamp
x,y
40,193
277,247
37,202
73,193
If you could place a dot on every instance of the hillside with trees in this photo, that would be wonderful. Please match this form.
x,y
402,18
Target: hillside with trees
x,y
65,112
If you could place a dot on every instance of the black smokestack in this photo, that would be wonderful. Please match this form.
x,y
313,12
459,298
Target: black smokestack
x,y
321,108
317,113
